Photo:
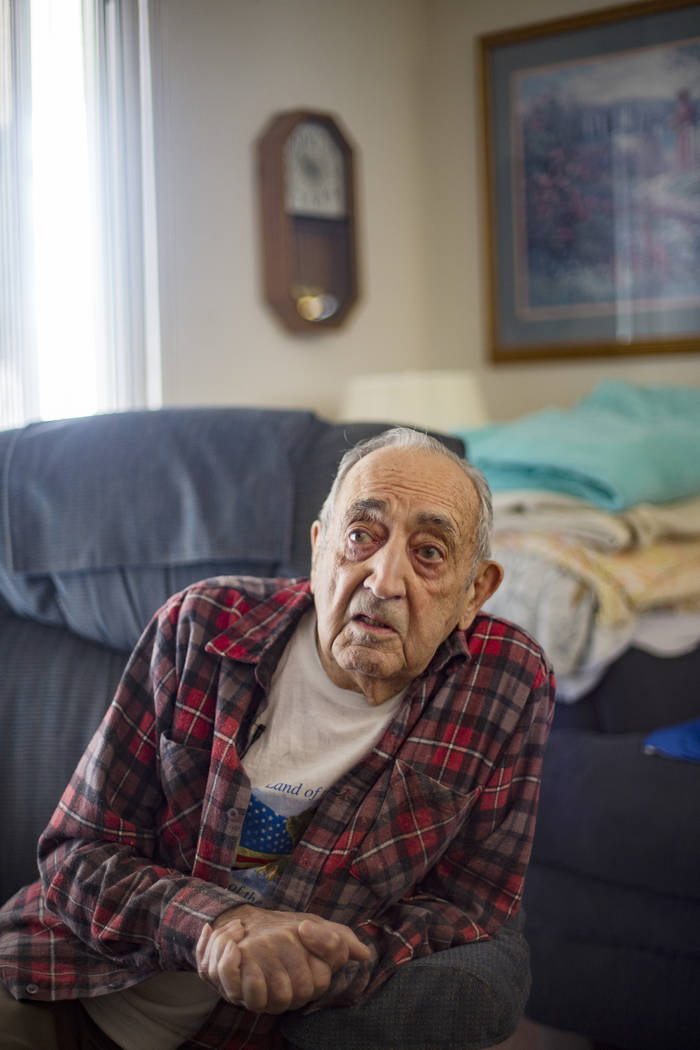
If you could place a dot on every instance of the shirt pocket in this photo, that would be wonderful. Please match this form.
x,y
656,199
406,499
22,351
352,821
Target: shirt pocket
x,y
415,824
184,772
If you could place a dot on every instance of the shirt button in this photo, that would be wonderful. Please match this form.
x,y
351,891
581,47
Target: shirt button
x,y
31,989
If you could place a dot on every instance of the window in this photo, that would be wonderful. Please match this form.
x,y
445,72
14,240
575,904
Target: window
x,y
78,225
64,211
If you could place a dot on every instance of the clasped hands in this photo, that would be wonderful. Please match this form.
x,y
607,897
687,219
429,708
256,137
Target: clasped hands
x,y
273,961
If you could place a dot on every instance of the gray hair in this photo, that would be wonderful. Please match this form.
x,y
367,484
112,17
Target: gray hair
x,y
405,437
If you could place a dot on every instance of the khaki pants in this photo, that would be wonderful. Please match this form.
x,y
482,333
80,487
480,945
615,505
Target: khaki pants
x,y
48,1026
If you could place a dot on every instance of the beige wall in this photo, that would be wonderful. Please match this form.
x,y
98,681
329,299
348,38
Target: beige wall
x,y
401,74
227,66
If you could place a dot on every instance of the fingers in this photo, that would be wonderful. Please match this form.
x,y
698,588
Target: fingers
x,y
228,974
232,918
276,974
270,962
333,942
254,989
293,966
321,975
233,932
218,958
274,989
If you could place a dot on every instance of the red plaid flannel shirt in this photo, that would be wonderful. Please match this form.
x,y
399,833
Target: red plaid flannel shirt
x,y
422,846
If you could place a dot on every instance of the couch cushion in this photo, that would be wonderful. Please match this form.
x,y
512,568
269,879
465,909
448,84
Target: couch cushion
x,y
54,689
642,691
610,811
619,965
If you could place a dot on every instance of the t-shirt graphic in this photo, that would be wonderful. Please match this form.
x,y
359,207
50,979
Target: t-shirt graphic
x,y
277,817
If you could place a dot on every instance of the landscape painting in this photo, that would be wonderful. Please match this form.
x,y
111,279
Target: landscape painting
x,y
595,192
607,170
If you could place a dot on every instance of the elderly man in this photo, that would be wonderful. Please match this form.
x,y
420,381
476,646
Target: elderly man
x,y
299,786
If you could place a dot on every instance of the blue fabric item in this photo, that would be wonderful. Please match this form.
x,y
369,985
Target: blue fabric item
x,y
184,490
111,606
619,446
681,741
104,518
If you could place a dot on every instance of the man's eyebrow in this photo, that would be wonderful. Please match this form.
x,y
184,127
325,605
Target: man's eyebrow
x,y
440,522
367,509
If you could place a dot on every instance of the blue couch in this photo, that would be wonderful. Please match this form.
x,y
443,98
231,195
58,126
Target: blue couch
x,y
104,518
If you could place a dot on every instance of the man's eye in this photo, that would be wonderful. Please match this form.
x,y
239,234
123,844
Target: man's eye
x,y
359,536
429,553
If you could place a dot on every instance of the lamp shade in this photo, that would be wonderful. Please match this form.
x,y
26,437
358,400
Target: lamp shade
x,y
432,400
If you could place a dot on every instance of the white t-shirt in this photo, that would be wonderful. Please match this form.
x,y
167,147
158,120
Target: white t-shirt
x,y
314,733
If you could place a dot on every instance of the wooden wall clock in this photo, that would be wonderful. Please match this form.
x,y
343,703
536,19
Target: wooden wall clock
x,y
306,181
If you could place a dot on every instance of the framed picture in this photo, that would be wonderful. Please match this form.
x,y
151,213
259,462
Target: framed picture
x,y
592,167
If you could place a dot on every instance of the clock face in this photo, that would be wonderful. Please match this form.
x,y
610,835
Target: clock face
x,y
314,182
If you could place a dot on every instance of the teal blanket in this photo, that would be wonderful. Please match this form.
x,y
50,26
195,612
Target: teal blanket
x,y
620,446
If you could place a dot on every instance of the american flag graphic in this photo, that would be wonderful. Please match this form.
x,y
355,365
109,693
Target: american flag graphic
x,y
265,836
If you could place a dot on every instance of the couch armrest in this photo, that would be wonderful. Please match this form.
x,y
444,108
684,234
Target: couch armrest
x,y
468,997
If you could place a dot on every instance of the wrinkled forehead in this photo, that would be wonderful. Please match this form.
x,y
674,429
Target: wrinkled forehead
x,y
413,484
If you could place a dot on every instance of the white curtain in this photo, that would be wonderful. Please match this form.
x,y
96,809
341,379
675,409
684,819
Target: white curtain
x,y
119,214
120,135
18,381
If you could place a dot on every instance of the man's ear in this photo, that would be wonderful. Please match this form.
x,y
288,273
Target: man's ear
x,y
485,583
315,545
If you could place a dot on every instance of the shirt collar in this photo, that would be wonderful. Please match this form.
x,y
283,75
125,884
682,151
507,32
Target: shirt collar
x,y
455,647
262,623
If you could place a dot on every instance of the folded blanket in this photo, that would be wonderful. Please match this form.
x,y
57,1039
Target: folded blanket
x,y
536,510
584,606
540,511
661,575
664,521
620,446
562,612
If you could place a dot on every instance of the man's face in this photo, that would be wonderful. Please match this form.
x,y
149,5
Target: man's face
x,y
392,575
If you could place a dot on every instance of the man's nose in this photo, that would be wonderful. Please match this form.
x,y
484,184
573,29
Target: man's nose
x,y
387,571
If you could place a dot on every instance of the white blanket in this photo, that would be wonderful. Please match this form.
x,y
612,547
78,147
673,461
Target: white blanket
x,y
542,511
586,606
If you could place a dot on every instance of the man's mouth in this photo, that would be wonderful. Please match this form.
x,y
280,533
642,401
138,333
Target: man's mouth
x,y
373,623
